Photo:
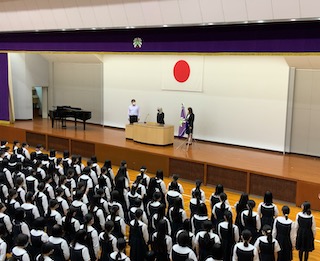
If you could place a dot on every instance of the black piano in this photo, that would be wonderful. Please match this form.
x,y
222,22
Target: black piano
x,y
64,112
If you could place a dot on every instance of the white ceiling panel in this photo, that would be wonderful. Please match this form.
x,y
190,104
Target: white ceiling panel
x,y
5,24
310,8
211,11
190,12
12,14
59,14
286,9
134,13
33,13
259,10
46,14
23,15
102,14
117,13
170,12
151,12
87,14
234,10
72,13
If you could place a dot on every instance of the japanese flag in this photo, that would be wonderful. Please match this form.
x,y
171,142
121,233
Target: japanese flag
x,y
182,73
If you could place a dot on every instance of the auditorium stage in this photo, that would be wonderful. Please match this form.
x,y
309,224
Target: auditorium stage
x,y
291,178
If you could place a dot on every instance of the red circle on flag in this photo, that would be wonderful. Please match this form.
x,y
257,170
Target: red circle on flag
x,y
181,71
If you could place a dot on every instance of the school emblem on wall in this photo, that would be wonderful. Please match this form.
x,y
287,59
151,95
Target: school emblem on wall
x,y
137,42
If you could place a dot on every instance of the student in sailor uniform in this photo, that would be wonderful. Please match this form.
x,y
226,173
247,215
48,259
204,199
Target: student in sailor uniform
x,y
138,237
60,245
108,242
25,150
119,224
31,181
267,246
3,244
284,231
7,174
172,194
251,220
79,251
41,200
267,210
95,166
92,173
102,184
244,250
198,219
161,242
240,206
6,221
37,237
137,204
21,198
46,251
175,178
119,255
19,252
145,179
18,224
63,204
81,208
30,209
53,216
219,209
181,251
159,216
108,180
70,224
306,231
229,235
177,215
12,202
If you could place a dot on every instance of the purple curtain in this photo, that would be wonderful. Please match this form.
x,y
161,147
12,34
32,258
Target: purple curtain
x,y
4,87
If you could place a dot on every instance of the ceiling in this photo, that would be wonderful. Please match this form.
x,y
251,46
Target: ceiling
x,y
30,15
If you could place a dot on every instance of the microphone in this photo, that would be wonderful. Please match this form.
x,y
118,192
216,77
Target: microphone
x,y
145,120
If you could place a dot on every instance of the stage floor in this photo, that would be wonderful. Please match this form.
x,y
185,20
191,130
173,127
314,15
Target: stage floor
x,y
241,169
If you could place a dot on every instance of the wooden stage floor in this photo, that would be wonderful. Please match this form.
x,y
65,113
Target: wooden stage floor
x,y
291,178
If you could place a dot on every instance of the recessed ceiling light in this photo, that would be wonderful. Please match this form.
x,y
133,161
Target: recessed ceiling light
x,y
260,21
293,19
165,25
210,23
93,28
63,29
245,22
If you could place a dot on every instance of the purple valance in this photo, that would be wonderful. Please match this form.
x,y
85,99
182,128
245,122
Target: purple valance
x,y
4,88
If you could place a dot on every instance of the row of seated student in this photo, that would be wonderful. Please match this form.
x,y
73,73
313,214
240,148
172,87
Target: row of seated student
x,y
59,209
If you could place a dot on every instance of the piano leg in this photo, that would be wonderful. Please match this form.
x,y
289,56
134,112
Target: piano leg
x,y
63,122
84,125
52,121
75,123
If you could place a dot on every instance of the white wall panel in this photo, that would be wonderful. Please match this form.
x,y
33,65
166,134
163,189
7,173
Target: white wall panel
x,y
234,10
286,9
102,14
79,85
170,12
259,10
190,12
310,8
212,11
134,13
117,13
152,13
243,98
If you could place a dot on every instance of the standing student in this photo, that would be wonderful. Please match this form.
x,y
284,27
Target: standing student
x,y
3,244
46,252
244,250
284,232
19,252
306,230
60,245
251,220
189,126
267,246
160,116
92,241
78,250
181,251
108,242
133,112
120,255
267,210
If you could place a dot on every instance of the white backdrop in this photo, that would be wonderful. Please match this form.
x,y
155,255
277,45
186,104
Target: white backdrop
x,y
243,102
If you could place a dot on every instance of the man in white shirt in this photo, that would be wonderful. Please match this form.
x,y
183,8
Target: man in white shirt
x,y
133,112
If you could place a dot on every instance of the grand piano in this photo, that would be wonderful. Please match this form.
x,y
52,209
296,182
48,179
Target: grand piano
x,y
64,112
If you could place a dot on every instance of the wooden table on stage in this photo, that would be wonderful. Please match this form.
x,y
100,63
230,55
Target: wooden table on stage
x,y
150,133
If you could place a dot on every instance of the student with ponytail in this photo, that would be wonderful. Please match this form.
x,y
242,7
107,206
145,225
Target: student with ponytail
x,y
70,224
195,202
53,216
198,188
285,233
229,234
119,255
219,209
92,241
60,245
244,250
251,220
267,246
108,242
161,242
205,241
79,251
119,224
198,219
46,252
306,231
177,215
138,237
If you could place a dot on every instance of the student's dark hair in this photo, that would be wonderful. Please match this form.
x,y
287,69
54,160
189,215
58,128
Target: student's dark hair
x,y
219,189
246,236
228,217
268,198
107,164
46,248
80,237
121,245
3,230
22,240
207,226
52,204
177,205
113,212
138,216
202,209
94,202
11,194
251,204
86,220
29,197
159,174
19,181
268,232
102,183
52,153
306,208
142,171
41,186
187,225
161,211
57,230
108,227
286,211
19,215
137,202
183,238
174,186
242,204
223,197
39,223
66,154
94,159
68,220
115,195
160,243
59,191
156,196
